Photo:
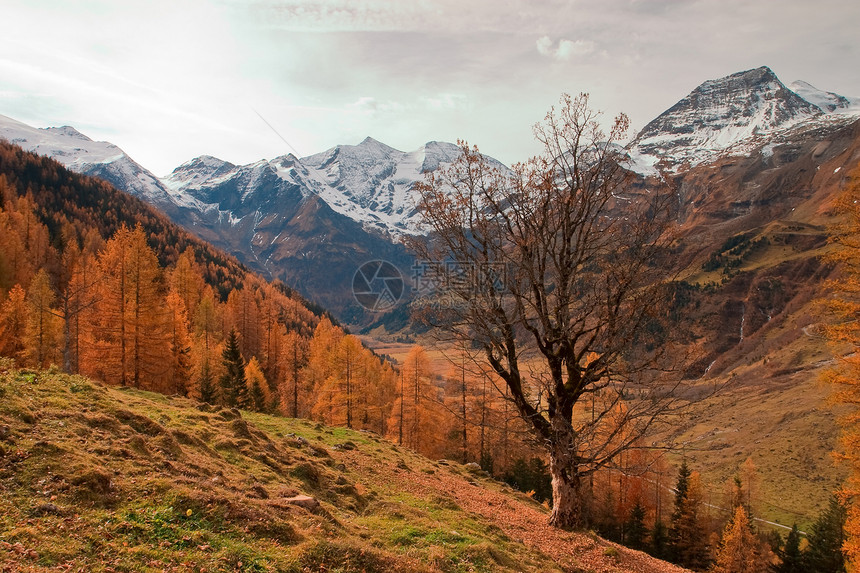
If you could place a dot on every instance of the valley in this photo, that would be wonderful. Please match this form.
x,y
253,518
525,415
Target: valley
x,y
755,168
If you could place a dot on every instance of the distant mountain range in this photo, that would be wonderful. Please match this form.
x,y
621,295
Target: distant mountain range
x,y
312,221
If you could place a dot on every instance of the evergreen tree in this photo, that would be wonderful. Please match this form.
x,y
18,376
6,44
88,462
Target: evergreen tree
x,y
234,389
659,546
207,384
790,556
687,539
257,397
826,536
681,487
636,532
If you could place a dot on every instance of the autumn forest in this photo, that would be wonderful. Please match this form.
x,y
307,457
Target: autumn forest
x,y
96,283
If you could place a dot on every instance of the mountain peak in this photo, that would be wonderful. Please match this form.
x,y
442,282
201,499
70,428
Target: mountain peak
x,y
68,131
196,171
761,74
719,114
375,146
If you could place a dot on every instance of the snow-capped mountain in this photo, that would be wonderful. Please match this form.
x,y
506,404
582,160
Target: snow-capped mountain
x,y
97,158
732,116
310,221
369,183
306,221
372,182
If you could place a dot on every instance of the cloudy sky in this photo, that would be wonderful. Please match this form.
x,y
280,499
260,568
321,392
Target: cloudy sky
x,y
251,79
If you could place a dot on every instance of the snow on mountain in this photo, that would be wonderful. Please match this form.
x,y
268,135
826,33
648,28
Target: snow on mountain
x,y
731,115
827,102
197,172
83,155
370,183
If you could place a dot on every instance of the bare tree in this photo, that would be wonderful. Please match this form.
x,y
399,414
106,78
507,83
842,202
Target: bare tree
x,y
556,271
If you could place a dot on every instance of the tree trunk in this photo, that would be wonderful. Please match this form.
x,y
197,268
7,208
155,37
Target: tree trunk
x,y
568,504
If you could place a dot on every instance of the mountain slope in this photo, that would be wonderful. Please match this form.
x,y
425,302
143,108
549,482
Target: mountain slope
x,y
101,479
312,221
100,159
752,231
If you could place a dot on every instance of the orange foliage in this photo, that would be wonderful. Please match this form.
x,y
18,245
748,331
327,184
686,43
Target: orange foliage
x,y
843,330
95,279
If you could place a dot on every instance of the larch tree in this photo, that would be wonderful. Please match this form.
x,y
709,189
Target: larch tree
x,y
206,330
43,328
130,326
294,358
179,340
258,388
551,263
843,330
351,378
323,370
14,317
417,410
459,397
77,297
378,395
740,549
185,279
272,331
245,318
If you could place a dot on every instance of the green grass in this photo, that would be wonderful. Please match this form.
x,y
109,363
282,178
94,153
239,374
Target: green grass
x,y
106,479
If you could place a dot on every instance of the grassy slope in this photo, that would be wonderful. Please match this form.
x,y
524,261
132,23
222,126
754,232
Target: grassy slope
x,y
773,407
94,478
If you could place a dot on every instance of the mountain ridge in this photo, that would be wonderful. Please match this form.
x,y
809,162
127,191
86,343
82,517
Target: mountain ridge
x,y
362,194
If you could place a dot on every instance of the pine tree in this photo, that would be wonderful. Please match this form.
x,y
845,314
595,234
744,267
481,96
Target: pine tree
x,y
635,531
659,546
791,559
208,392
234,389
688,542
824,550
